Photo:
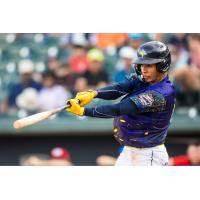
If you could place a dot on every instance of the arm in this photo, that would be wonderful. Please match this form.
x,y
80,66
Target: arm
x,y
126,106
108,93
115,91
149,101
110,111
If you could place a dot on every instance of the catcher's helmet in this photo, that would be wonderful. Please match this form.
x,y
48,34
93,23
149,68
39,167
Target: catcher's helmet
x,y
153,52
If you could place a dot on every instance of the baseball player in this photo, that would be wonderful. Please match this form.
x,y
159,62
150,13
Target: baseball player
x,y
142,117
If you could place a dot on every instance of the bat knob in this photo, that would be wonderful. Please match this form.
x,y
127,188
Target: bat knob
x,y
68,104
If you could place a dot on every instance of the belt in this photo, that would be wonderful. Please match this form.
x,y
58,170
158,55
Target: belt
x,y
160,145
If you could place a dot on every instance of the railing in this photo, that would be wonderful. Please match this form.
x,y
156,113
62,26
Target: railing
x,y
86,125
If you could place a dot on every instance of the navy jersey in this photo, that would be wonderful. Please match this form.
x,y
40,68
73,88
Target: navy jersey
x,y
143,115
148,127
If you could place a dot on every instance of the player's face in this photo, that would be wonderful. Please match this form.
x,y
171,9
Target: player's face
x,y
150,74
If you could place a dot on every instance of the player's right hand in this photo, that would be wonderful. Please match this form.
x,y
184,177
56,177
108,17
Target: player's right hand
x,y
75,108
86,97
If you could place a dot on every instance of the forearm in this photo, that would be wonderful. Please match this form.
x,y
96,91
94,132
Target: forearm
x,y
111,111
109,93
114,91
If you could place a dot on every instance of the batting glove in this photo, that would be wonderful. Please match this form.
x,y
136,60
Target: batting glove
x,y
86,97
75,108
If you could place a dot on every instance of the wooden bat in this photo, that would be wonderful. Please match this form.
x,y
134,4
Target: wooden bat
x,y
33,119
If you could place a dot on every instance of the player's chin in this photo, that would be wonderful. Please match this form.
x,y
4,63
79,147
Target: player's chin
x,y
147,80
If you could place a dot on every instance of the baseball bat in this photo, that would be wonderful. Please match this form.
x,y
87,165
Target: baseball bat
x,y
33,119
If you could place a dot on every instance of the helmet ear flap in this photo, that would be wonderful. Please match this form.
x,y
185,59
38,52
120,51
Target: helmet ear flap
x,y
164,66
159,67
137,69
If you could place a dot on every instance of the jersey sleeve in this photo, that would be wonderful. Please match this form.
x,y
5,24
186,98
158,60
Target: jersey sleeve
x,y
124,107
117,90
149,101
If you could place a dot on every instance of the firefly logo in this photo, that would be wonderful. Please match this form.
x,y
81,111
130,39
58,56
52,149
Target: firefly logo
x,y
142,53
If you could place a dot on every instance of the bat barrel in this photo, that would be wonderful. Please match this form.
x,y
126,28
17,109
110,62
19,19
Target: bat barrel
x,y
33,119
17,124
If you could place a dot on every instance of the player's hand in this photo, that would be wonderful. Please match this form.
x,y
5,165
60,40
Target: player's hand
x,y
86,97
75,108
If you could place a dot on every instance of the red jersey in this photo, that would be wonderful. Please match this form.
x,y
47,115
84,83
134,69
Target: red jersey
x,y
180,161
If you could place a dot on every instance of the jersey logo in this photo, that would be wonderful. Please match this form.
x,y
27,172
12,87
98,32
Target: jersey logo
x,y
149,101
146,99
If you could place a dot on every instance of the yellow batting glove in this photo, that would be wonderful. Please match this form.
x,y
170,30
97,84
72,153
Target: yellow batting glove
x,y
75,108
86,97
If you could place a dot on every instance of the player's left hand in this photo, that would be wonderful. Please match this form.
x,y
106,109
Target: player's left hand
x,y
86,97
75,108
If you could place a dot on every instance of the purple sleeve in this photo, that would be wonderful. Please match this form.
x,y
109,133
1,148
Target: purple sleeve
x,y
116,90
110,111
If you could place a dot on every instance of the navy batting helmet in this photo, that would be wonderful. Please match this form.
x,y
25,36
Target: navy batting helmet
x,y
153,52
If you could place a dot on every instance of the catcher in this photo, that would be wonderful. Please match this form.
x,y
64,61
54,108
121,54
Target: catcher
x,y
142,117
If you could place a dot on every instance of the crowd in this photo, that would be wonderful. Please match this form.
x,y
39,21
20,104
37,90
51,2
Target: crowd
x,y
58,156
76,62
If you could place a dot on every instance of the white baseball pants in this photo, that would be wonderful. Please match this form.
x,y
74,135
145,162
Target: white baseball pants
x,y
154,156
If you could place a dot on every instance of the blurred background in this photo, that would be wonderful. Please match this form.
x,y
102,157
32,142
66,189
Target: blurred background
x,y
40,71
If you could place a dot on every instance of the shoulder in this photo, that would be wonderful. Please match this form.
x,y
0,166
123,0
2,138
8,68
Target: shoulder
x,y
132,76
135,78
149,96
149,101
167,88
136,81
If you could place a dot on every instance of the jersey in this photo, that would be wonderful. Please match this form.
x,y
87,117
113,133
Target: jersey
x,y
182,160
148,127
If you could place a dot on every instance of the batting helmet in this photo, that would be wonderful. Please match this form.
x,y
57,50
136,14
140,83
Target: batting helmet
x,y
153,52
